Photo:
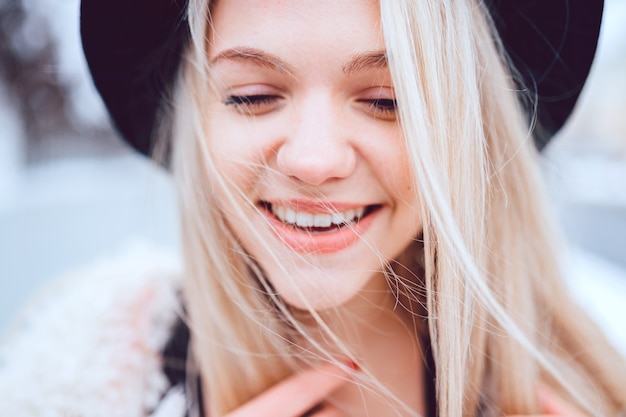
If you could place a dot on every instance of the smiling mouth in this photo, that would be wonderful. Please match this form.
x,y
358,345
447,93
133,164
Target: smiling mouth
x,y
318,222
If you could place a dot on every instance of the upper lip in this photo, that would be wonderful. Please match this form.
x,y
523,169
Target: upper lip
x,y
315,206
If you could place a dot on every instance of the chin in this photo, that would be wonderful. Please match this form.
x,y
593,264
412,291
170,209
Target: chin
x,y
316,287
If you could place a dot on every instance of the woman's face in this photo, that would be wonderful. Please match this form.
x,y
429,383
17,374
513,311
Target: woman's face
x,y
302,123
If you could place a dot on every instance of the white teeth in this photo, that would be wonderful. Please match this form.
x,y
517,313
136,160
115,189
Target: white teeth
x,y
279,212
302,219
322,220
290,216
337,218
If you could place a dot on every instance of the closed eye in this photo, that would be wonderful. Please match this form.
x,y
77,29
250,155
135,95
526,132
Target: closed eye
x,y
255,104
383,108
251,100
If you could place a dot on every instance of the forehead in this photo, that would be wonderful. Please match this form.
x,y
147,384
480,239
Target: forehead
x,y
301,28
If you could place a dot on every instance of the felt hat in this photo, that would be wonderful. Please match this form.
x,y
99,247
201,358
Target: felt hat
x,y
133,49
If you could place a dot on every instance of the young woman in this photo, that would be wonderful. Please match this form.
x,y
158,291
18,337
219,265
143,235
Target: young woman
x,y
364,225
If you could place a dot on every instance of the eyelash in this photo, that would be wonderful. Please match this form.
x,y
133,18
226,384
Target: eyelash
x,y
382,106
250,101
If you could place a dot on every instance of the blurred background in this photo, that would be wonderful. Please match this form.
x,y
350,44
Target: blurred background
x,y
72,193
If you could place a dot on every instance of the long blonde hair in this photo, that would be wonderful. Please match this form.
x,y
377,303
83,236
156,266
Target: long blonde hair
x,y
490,257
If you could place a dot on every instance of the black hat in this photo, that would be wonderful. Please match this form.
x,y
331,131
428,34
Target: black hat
x,y
134,48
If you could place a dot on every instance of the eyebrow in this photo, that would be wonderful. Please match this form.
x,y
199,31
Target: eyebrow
x,y
254,56
359,62
366,61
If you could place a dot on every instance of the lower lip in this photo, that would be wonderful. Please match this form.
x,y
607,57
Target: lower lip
x,y
303,241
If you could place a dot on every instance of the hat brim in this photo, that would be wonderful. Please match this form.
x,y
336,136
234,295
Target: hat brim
x,y
551,45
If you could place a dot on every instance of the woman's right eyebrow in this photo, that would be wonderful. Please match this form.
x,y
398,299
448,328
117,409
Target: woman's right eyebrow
x,y
254,56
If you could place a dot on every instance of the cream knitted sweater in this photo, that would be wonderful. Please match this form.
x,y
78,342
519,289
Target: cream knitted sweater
x,y
90,345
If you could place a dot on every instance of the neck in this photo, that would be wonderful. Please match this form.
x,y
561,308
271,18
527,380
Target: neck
x,y
383,336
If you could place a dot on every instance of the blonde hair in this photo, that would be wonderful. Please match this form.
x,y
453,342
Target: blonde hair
x,y
489,253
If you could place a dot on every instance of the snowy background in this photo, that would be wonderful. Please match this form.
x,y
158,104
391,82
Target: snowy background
x,y
72,193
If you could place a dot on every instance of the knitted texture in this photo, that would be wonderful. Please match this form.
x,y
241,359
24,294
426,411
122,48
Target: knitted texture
x,y
89,345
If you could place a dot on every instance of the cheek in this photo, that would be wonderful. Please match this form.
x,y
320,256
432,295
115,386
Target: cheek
x,y
394,172
387,158
402,174
238,152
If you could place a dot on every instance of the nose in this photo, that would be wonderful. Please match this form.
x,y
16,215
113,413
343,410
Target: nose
x,y
319,148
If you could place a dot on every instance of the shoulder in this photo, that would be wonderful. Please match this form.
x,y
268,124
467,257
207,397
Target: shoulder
x,y
90,344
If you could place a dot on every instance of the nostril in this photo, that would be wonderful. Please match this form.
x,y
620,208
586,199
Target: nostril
x,y
316,163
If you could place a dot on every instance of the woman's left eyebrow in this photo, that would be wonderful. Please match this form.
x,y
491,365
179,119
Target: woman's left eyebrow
x,y
366,61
